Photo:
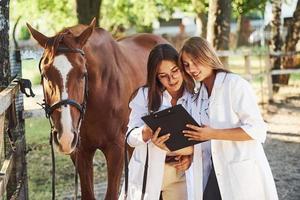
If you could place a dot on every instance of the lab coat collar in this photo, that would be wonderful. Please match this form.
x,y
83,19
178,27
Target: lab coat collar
x,y
166,98
202,91
220,78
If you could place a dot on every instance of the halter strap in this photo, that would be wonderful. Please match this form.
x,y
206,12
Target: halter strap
x,y
49,109
64,49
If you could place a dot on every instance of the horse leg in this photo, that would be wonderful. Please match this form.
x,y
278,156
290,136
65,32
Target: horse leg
x,y
84,160
114,157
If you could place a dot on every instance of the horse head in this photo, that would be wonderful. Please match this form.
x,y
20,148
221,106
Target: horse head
x,y
64,80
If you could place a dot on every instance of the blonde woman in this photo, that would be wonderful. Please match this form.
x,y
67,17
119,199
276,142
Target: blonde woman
x,y
232,163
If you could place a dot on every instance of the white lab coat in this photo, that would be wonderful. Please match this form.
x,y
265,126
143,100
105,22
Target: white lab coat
x,y
241,167
156,156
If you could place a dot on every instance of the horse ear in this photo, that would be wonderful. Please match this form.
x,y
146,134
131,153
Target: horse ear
x,y
93,22
84,36
39,37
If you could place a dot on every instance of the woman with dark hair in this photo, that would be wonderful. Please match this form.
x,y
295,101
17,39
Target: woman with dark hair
x,y
231,164
167,85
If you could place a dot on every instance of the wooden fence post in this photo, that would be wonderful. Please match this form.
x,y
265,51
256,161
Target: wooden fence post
x,y
269,78
248,67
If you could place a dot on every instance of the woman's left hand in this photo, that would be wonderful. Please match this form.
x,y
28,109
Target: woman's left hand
x,y
199,133
184,162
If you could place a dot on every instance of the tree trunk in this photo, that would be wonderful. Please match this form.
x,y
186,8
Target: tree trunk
x,y
293,31
243,31
4,44
201,22
87,10
276,41
218,26
291,41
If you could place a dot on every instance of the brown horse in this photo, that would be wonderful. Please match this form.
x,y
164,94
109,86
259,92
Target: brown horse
x,y
80,59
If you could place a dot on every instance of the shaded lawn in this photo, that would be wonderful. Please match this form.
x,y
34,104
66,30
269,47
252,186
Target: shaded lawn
x,y
40,167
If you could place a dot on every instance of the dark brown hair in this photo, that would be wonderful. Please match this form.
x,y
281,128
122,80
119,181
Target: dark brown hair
x,y
155,88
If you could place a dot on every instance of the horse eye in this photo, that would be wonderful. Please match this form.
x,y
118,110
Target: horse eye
x,y
44,76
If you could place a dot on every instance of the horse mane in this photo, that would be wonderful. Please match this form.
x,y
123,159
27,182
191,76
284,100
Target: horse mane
x,y
61,38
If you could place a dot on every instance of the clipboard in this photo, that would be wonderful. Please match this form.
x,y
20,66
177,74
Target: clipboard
x,y
172,120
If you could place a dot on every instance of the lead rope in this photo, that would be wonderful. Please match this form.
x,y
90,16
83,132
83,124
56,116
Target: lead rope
x,y
79,125
53,160
127,169
53,171
126,163
145,174
46,108
76,177
76,159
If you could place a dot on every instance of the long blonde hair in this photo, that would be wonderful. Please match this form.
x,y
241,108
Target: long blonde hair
x,y
203,53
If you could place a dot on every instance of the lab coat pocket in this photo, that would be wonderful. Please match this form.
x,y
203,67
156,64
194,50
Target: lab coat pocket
x,y
246,181
136,171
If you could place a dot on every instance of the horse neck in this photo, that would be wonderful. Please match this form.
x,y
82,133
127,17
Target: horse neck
x,y
106,73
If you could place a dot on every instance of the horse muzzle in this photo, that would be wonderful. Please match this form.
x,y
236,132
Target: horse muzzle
x,y
66,142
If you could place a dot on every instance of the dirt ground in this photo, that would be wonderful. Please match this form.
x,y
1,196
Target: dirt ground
x,y
282,146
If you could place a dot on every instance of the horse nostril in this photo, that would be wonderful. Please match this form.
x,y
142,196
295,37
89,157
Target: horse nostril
x,y
75,138
57,136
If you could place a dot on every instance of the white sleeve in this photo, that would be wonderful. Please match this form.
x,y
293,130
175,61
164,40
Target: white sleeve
x,y
246,107
138,106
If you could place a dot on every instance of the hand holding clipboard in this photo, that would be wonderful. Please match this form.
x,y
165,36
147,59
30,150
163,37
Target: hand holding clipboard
x,y
172,120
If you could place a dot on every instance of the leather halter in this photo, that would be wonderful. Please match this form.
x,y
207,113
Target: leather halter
x,y
49,109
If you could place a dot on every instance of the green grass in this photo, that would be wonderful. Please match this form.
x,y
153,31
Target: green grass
x,y
39,162
237,64
295,77
40,167
37,130
30,70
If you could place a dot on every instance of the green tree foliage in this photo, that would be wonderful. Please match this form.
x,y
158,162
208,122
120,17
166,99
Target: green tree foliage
x,y
127,13
49,16
200,6
24,33
53,15
139,14
244,7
